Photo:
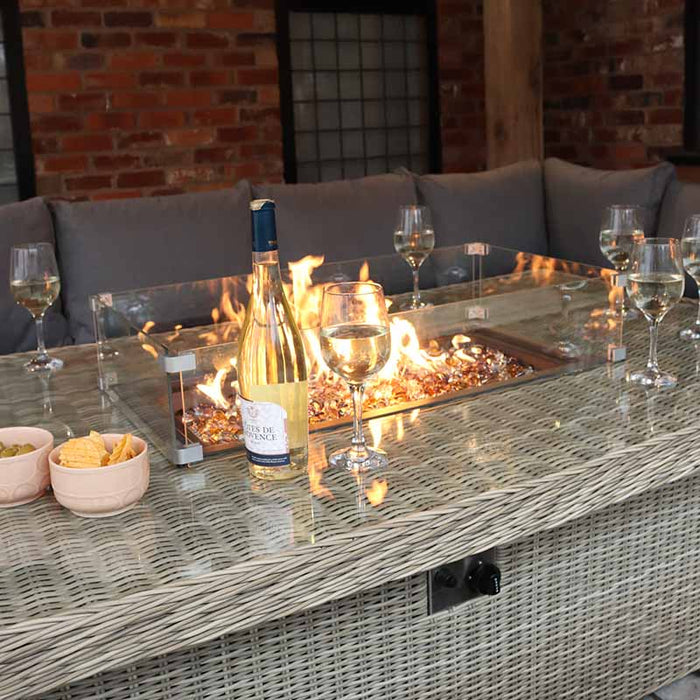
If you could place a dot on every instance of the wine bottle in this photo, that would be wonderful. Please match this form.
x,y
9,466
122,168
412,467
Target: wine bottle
x,y
272,364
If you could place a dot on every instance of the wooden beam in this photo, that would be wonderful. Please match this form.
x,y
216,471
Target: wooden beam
x,y
513,77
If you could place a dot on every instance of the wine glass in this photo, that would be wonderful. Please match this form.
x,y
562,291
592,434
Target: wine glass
x,y
355,344
690,249
414,240
655,283
35,284
621,227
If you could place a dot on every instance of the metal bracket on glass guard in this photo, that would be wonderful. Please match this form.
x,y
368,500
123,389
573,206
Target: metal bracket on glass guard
x,y
173,364
187,454
477,248
477,313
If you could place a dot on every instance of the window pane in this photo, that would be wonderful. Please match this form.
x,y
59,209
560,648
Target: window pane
x,y
304,116
396,113
374,114
376,143
354,168
394,55
370,26
352,115
352,144
393,27
350,85
331,171
325,55
8,176
328,115
299,25
301,55
376,166
329,145
302,86
307,172
8,194
5,132
372,84
326,86
348,26
323,25
371,55
349,54
306,147
4,98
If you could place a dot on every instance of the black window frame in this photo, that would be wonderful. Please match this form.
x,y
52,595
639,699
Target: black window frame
x,y
425,8
19,104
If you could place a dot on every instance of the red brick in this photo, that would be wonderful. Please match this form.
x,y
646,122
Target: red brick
x,y
209,78
133,60
32,19
141,139
105,40
161,120
238,97
184,20
114,194
87,143
103,121
38,62
237,58
128,19
116,162
49,40
75,18
167,192
88,182
188,98
160,39
665,116
236,134
161,79
215,117
207,40
230,20
257,76
142,178
55,123
260,115
65,164
191,137
626,82
82,101
48,144
83,61
184,60
247,170
183,176
137,100
110,80
56,82
41,104
214,155
260,150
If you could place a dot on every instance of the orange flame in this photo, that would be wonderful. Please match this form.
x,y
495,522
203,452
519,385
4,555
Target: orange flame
x,y
213,389
363,275
317,464
376,493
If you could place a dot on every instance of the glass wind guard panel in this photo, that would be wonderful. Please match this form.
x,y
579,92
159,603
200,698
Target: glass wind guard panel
x,y
167,354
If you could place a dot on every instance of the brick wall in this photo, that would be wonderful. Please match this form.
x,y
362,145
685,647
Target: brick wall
x,y
129,98
143,97
613,80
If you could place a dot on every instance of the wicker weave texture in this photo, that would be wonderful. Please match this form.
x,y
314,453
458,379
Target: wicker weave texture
x,y
603,607
208,553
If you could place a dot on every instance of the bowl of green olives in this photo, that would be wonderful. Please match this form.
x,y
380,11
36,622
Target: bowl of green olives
x,y
24,464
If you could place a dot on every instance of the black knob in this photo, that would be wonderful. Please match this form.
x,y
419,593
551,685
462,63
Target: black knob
x,y
485,578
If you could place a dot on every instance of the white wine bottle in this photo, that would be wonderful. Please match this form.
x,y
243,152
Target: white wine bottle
x,y
272,364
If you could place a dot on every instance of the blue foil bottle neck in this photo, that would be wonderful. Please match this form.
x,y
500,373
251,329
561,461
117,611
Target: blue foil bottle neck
x,y
264,227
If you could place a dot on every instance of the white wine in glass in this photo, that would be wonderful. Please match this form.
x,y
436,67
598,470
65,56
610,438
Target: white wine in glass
x,y
355,344
414,240
621,227
655,284
35,284
690,249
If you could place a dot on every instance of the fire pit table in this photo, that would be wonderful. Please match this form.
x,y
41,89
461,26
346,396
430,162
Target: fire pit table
x,y
580,488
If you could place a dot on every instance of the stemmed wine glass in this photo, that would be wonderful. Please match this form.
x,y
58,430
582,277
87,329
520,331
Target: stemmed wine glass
x,y
414,240
655,284
355,344
621,227
690,249
35,284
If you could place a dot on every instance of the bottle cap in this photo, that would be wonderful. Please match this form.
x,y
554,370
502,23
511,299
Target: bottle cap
x,y
264,228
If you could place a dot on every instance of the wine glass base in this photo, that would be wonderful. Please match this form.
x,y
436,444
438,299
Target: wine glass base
x,y
568,349
690,334
349,458
48,364
653,378
410,306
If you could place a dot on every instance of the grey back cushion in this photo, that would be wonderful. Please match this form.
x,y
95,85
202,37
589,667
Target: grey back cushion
x,y
577,196
127,244
25,222
504,207
682,199
341,220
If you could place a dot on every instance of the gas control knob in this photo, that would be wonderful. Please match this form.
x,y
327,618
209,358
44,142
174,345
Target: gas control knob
x,y
485,578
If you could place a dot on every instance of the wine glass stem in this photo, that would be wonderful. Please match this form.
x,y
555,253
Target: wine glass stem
x,y
416,287
358,437
40,343
652,362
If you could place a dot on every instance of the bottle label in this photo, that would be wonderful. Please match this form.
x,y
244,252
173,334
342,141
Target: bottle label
x,y
265,433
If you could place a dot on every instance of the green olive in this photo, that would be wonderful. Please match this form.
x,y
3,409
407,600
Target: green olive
x,y
8,452
25,449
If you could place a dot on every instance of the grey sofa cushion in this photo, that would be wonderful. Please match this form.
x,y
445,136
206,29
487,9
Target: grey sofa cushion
x,y
25,222
504,207
576,197
682,199
341,220
126,244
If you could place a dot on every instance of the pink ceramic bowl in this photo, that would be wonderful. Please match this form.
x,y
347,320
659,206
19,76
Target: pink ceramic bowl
x,y
25,477
102,491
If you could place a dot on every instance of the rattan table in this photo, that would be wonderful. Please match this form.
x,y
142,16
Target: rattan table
x,y
214,586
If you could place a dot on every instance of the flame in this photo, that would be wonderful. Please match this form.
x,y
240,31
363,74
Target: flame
x,y
375,428
399,428
376,493
147,326
317,464
213,388
305,296
363,275
541,268
150,350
